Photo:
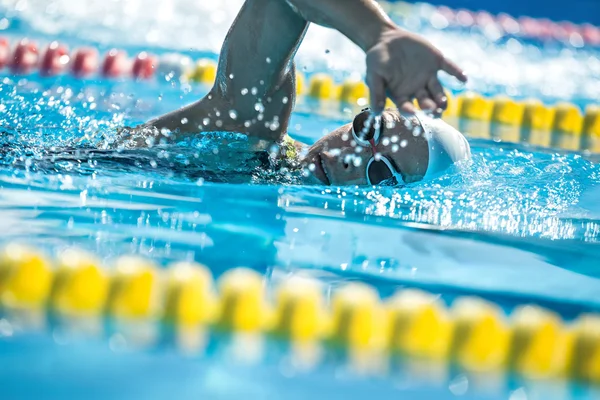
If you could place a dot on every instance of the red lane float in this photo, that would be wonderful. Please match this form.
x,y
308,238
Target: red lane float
x,y
144,66
591,34
55,59
4,53
115,63
25,57
448,13
529,27
508,24
546,28
465,18
484,18
85,62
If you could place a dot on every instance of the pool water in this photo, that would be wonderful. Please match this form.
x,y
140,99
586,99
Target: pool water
x,y
518,224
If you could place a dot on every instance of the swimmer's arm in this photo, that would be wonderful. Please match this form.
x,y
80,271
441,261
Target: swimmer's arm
x,y
361,21
255,86
399,63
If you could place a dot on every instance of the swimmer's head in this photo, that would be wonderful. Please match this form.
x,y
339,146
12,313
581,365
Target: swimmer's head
x,y
370,151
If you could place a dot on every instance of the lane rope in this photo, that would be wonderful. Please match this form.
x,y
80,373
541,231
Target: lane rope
x,y
472,332
562,125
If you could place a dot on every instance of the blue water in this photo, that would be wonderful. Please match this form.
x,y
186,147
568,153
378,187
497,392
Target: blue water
x,y
517,225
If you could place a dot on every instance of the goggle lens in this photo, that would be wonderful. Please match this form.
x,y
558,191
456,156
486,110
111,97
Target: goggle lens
x,y
365,128
379,171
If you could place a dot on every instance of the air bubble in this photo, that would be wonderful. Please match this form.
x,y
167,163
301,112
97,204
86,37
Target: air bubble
x,y
254,90
205,121
268,60
403,143
230,76
244,91
285,100
232,114
259,107
184,121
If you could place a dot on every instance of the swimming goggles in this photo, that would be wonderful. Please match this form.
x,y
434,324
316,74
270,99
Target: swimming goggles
x,y
366,131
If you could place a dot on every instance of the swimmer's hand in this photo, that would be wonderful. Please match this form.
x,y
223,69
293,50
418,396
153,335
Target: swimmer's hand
x,y
405,66
400,64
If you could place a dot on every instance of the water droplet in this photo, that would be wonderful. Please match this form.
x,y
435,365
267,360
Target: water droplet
x,y
274,125
459,385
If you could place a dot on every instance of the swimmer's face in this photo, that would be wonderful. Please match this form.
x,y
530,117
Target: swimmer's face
x,y
337,159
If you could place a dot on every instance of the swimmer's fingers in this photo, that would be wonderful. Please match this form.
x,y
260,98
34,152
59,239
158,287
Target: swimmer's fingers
x,y
454,70
437,93
406,105
376,93
425,100
403,102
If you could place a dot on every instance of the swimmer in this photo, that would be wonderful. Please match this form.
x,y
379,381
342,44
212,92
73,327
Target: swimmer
x,y
254,94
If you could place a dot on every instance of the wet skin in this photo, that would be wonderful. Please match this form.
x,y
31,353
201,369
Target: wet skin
x,y
255,87
336,159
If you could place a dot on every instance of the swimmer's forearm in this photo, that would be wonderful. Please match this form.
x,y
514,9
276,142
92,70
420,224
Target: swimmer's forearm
x,y
361,21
